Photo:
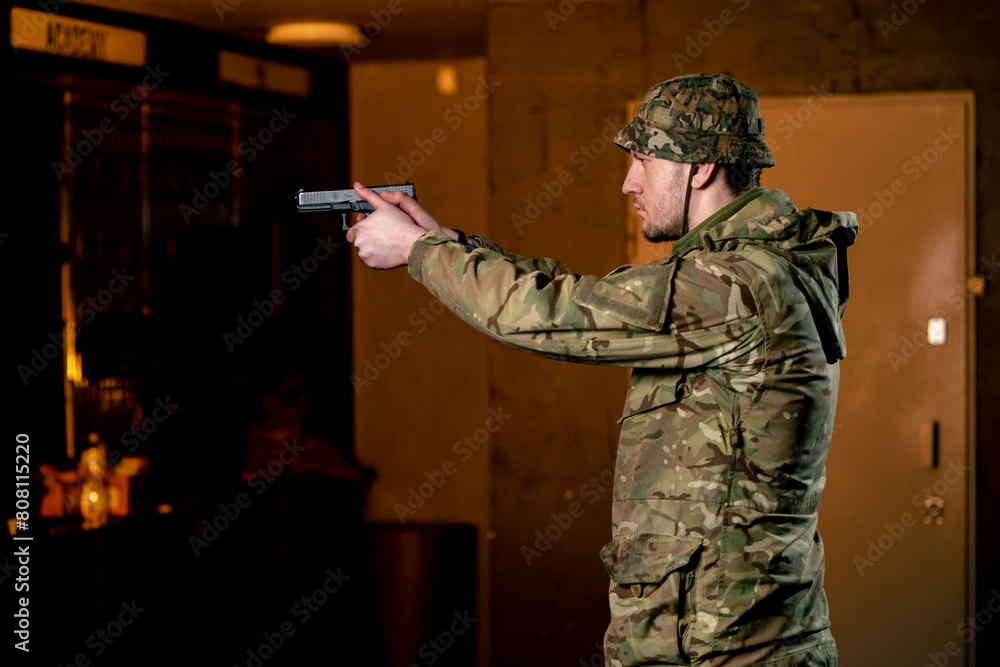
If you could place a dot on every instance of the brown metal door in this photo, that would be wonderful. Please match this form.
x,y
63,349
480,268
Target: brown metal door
x,y
896,517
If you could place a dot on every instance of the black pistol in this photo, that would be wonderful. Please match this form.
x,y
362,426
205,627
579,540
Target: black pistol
x,y
344,201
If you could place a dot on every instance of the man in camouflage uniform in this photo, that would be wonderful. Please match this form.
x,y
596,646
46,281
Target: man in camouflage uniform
x,y
734,341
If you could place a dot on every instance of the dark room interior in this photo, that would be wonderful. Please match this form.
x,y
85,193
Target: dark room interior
x,y
243,447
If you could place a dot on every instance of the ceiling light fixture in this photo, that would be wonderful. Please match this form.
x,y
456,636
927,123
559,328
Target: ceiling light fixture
x,y
314,33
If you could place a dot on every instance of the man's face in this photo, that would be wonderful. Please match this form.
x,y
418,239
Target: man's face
x,y
658,186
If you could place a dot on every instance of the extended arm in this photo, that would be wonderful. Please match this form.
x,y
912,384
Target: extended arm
x,y
663,315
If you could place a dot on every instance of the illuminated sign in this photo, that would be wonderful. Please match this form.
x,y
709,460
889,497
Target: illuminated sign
x,y
58,35
250,72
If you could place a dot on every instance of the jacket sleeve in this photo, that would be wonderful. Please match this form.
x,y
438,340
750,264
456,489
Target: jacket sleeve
x,y
669,314
545,266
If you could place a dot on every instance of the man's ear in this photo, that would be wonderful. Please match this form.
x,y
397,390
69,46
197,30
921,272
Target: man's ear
x,y
704,173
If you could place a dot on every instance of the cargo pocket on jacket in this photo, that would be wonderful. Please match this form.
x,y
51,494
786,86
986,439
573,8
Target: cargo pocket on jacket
x,y
652,579
650,412
649,390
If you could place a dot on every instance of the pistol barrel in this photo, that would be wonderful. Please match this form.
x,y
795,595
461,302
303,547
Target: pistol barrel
x,y
321,201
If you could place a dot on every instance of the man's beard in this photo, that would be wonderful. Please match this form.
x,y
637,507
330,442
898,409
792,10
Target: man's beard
x,y
665,222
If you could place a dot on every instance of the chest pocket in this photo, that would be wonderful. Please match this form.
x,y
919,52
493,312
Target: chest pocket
x,y
649,390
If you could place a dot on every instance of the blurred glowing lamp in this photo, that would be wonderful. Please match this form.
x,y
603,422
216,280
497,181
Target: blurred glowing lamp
x,y
314,33
94,494
447,80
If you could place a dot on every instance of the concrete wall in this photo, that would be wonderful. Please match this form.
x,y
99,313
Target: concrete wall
x,y
546,182
556,179
422,401
567,67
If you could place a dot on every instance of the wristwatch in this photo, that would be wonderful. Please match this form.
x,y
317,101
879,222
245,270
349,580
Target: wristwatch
x,y
464,240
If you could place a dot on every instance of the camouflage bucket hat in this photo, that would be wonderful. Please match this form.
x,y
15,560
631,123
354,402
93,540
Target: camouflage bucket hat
x,y
699,118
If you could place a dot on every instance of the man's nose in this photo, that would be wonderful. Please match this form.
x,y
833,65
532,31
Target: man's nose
x,y
631,184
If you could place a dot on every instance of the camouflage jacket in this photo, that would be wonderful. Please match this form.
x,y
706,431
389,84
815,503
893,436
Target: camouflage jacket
x,y
734,341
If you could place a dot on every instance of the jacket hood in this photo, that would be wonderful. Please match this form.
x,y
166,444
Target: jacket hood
x,y
811,243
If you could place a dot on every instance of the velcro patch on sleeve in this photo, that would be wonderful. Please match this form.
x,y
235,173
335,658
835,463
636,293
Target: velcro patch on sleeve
x,y
635,295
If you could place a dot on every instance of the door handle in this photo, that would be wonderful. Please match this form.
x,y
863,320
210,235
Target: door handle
x,y
930,444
